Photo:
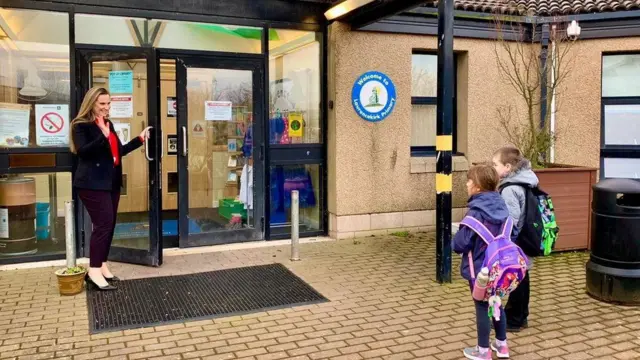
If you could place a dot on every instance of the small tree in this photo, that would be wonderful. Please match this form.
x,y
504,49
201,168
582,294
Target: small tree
x,y
518,53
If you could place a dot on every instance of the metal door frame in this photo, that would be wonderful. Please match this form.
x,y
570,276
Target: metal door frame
x,y
85,55
231,61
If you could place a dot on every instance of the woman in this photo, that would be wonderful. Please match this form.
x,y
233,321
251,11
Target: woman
x,y
98,176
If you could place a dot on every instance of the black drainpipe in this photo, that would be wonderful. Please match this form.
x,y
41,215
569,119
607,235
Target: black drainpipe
x,y
544,55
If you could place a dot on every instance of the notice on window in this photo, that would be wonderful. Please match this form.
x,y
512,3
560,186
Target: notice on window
x,y
172,106
121,107
123,131
4,223
14,131
217,110
198,129
121,82
52,125
295,125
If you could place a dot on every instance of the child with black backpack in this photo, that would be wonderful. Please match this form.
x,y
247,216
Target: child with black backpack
x,y
491,263
535,227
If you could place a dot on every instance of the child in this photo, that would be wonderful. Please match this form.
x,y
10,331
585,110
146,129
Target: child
x,y
512,167
486,205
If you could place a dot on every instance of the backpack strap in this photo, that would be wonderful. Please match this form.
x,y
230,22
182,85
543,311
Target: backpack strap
x,y
506,185
478,228
507,228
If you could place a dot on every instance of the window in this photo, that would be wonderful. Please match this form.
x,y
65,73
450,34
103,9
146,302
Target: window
x,y
294,87
620,140
34,79
32,215
168,34
424,92
306,179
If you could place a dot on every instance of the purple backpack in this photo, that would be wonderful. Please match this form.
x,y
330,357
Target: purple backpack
x,y
506,262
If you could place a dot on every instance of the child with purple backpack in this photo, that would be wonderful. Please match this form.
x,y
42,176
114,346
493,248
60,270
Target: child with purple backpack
x,y
484,242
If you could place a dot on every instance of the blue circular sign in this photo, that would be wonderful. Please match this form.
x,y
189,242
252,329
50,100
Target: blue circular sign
x,y
373,96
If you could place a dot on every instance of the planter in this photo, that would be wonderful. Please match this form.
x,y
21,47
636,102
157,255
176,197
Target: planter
x,y
70,284
570,189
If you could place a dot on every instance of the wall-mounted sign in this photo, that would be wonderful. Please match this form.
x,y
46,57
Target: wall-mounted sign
x,y
123,131
373,96
172,144
172,106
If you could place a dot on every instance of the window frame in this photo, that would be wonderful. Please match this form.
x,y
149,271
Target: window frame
x,y
614,151
426,151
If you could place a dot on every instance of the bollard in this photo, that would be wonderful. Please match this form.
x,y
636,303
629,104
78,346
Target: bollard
x,y
295,225
70,238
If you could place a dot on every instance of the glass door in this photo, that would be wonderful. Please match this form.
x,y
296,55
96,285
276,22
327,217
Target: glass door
x,y
220,150
130,75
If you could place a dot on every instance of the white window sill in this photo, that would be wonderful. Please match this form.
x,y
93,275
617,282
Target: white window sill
x,y
422,165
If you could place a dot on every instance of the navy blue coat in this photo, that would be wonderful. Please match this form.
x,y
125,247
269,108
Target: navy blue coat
x,y
491,210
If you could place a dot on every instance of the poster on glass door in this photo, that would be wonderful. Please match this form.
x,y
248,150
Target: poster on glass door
x,y
218,110
121,107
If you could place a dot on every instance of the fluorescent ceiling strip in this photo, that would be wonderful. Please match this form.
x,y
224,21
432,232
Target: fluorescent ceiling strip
x,y
344,8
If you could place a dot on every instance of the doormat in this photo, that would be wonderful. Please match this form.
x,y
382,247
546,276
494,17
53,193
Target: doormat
x,y
172,299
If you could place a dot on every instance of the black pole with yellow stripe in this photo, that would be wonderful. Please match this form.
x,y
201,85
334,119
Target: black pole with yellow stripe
x,y
444,140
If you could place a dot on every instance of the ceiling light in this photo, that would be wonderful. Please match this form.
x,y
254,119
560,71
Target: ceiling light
x,y
345,7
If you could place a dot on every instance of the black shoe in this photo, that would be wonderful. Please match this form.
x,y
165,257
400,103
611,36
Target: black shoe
x,y
517,329
103,288
115,278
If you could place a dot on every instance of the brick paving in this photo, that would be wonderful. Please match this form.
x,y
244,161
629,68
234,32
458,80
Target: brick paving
x,y
384,305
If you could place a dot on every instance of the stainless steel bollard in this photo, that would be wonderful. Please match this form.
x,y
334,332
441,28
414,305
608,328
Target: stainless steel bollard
x,y
295,225
70,237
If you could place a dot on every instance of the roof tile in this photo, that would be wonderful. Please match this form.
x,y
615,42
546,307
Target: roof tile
x,y
543,7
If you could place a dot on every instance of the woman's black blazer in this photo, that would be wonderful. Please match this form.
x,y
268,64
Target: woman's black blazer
x,y
95,170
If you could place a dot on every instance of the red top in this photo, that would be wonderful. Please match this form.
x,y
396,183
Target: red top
x,y
113,143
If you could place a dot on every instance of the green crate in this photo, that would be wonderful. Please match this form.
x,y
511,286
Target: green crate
x,y
228,207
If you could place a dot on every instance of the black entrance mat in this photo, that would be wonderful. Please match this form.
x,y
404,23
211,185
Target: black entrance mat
x,y
162,300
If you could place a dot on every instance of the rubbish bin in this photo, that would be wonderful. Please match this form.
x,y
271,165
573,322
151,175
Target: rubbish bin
x,y
17,216
613,269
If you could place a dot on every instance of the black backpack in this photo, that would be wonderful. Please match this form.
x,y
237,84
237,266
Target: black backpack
x,y
540,231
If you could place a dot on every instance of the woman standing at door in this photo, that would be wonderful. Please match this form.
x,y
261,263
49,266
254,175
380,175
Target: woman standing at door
x,y
98,176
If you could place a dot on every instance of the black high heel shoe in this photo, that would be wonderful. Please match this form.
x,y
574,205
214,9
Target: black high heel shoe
x,y
103,288
114,278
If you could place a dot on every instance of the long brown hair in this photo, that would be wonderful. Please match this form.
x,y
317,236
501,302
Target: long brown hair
x,y
85,114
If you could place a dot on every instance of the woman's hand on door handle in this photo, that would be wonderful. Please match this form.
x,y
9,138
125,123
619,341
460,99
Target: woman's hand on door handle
x,y
144,135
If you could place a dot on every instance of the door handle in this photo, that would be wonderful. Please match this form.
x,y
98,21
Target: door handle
x,y
161,145
185,149
146,147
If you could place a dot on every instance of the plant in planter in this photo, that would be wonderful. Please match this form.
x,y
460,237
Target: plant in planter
x,y
71,280
527,119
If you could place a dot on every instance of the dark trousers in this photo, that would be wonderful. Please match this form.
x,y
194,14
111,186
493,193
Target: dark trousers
x,y
517,308
102,207
483,325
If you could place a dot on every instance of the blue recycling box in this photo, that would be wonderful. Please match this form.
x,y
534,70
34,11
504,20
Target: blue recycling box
x,y
43,226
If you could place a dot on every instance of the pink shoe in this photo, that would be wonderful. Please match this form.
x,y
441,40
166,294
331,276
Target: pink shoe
x,y
474,354
501,351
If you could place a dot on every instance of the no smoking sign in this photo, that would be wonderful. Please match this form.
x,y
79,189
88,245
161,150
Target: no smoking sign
x,y
52,122
52,125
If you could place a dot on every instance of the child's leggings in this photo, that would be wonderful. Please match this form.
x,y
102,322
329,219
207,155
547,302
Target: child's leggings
x,y
484,327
